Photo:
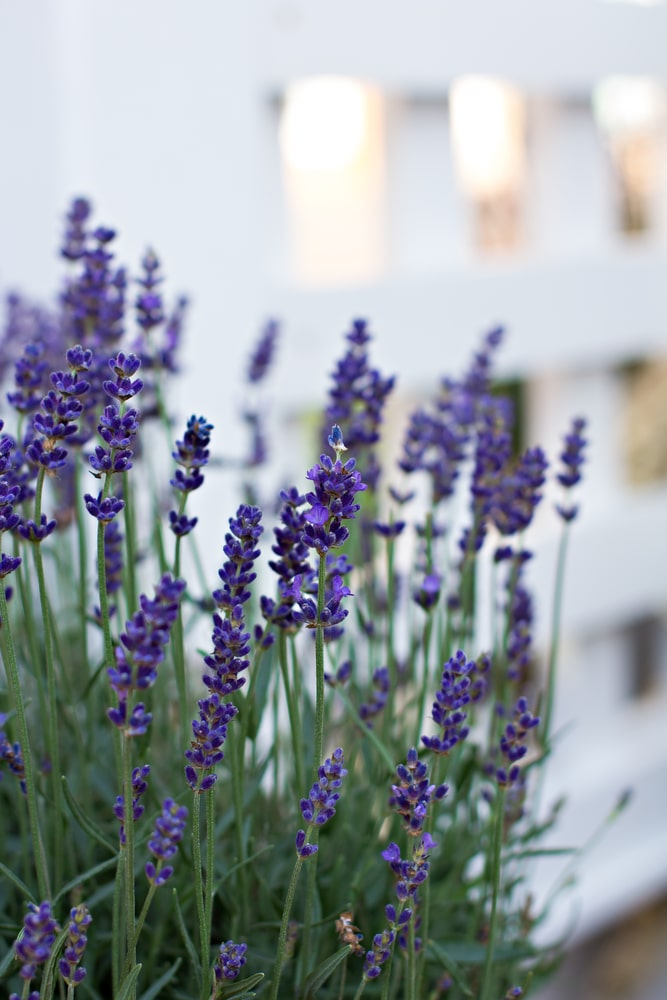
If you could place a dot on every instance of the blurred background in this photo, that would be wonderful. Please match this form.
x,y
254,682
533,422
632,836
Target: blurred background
x,y
439,168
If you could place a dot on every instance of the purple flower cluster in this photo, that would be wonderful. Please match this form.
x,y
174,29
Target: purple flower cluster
x,y
231,645
12,755
516,494
70,964
381,684
29,378
319,807
263,354
192,455
450,701
141,651
60,409
10,493
231,959
139,786
513,743
427,594
117,426
240,548
74,241
358,396
163,844
332,501
412,796
39,933
292,561
572,458
332,613
148,302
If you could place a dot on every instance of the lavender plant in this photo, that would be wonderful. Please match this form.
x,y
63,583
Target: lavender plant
x,y
153,835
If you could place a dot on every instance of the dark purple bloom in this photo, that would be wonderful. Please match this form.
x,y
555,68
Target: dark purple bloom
x,y
331,502
292,560
320,806
411,797
30,379
39,933
358,396
231,959
332,613
139,786
392,530
12,755
141,650
168,833
381,685
448,708
572,458
428,594
263,353
516,495
513,743
210,733
240,548
8,564
149,300
34,532
103,508
70,964
74,241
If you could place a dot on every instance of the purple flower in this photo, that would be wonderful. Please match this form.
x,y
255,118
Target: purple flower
x,y
513,743
263,353
103,508
74,241
231,959
332,613
141,650
448,708
168,833
70,964
34,532
331,502
237,572
428,594
149,300
292,560
39,933
411,797
29,377
320,805
210,734
381,685
358,396
572,458
139,786
12,754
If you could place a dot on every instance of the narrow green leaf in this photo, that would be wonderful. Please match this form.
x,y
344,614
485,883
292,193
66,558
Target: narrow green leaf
x,y
154,989
240,990
129,983
84,822
320,975
187,940
21,886
452,967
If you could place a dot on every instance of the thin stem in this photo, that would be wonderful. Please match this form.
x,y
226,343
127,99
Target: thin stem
x,y
487,979
293,711
204,935
9,657
318,735
130,544
128,853
282,937
178,647
555,635
138,928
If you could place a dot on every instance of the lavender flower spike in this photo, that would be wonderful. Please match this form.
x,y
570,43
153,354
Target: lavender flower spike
x,y
33,948
231,959
333,499
319,807
168,833
572,458
70,964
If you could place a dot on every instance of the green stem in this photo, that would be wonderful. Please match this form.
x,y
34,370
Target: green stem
x,y
555,634
130,545
138,928
51,689
9,657
204,934
487,979
318,735
128,853
282,937
178,647
294,714
235,749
